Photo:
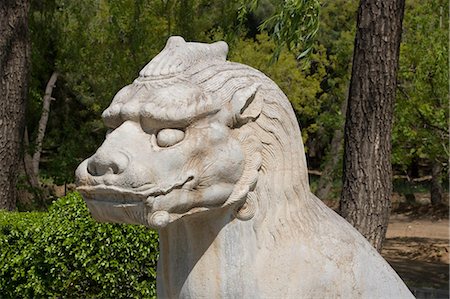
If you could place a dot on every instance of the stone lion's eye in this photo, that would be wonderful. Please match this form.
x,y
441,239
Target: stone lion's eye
x,y
169,137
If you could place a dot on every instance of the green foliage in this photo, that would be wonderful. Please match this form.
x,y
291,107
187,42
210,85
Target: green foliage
x,y
64,253
336,34
317,86
98,47
293,24
421,110
300,82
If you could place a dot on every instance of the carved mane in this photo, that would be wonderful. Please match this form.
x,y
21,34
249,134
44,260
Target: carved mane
x,y
282,197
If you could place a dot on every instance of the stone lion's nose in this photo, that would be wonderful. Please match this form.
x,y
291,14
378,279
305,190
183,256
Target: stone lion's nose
x,y
107,163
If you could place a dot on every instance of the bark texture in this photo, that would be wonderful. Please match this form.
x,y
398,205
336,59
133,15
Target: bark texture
x,y
14,53
367,176
436,190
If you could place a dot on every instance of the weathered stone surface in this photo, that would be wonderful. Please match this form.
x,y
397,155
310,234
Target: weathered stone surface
x,y
209,152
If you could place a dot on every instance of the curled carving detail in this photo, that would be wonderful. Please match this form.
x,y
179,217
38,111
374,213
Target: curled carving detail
x,y
248,209
159,219
247,182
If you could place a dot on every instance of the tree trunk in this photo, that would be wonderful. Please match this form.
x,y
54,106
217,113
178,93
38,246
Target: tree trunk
x,y
28,163
43,122
14,54
367,176
436,190
328,174
326,179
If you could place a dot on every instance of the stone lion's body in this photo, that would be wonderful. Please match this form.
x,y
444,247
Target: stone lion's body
x,y
209,153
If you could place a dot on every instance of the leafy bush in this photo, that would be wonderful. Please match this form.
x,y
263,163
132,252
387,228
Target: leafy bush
x,y
65,253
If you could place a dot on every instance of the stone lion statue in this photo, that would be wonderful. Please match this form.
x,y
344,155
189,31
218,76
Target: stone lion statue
x,y
209,153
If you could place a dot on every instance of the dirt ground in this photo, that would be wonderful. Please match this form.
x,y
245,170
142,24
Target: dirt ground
x,y
417,245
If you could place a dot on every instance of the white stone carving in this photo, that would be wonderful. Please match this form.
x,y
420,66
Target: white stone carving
x,y
209,153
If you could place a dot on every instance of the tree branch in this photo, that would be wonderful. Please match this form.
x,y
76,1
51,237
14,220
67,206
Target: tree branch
x,y
427,123
43,121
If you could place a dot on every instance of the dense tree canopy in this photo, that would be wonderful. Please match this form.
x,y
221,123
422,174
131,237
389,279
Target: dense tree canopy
x,y
421,130
99,46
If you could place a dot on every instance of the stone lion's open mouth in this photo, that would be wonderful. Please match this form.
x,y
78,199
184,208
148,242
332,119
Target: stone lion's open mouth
x,y
126,205
109,193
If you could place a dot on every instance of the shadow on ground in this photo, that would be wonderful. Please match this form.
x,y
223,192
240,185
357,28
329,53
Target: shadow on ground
x,y
422,263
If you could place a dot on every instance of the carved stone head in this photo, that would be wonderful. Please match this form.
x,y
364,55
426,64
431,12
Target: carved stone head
x,y
190,134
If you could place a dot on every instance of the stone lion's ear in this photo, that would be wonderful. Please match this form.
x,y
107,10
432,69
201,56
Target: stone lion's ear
x,y
246,103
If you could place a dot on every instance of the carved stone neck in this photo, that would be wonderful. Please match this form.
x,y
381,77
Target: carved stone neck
x,y
207,255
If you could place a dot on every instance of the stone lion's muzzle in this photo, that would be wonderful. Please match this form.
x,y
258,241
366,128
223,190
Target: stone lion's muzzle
x,y
132,205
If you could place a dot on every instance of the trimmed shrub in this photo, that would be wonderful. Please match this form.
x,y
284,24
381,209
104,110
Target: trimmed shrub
x,y
65,253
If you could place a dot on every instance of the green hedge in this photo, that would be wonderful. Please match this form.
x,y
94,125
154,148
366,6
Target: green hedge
x,y
64,253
